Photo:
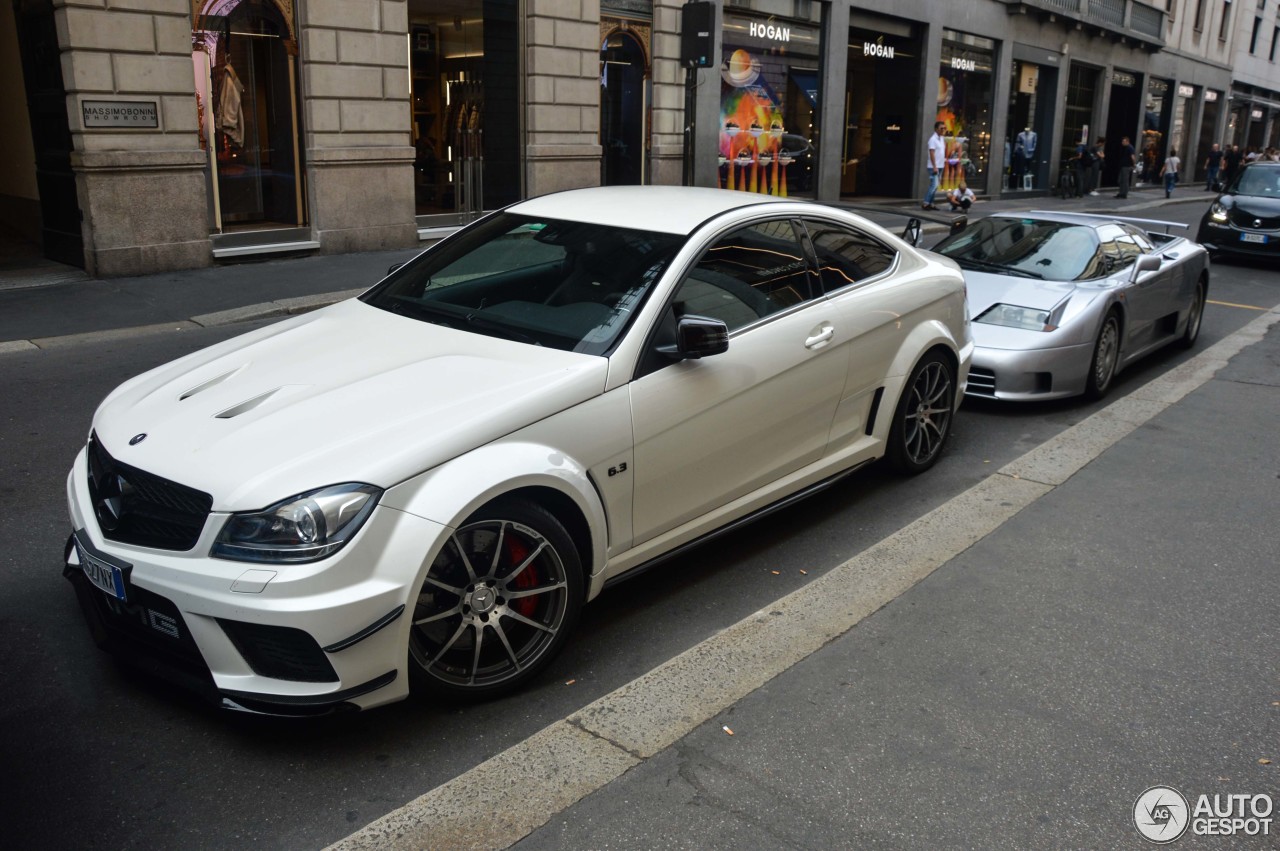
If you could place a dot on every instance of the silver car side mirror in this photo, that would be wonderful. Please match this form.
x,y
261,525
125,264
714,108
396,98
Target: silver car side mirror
x,y
1146,263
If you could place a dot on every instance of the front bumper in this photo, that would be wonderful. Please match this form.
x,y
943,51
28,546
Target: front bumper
x,y
281,639
1029,374
1227,238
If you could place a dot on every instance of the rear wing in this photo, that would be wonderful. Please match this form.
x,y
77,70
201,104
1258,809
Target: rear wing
x,y
1130,219
913,231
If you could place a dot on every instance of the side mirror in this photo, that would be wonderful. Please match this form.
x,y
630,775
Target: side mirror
x,y
392,268
1147,263
913,232
698,337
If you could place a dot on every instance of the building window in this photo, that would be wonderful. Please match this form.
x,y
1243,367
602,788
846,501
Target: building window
x,y
1253,39
1226,20
1275,37
1199,23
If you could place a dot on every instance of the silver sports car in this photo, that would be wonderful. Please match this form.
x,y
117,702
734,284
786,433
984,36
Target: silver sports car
x,y
1061,302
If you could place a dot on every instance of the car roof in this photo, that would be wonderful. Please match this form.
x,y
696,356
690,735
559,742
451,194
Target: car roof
x,y
666,209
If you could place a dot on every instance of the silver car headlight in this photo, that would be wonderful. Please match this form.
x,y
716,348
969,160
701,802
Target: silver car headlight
x,y
1026,318
1217,212
302,528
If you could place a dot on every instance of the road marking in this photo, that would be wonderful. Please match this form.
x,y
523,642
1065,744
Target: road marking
x,y
1233,304
577,755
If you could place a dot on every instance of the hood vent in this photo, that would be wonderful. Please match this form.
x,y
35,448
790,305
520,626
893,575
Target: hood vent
x,y
212,382
247,405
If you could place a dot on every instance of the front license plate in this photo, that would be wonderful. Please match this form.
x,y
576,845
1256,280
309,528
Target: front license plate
x,y
1254,237
108,577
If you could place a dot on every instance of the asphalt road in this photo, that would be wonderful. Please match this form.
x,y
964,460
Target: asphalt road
x,y
99,758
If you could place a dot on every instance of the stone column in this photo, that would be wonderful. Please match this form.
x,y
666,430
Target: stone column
x,y
355,82
562,111
668,94
141,189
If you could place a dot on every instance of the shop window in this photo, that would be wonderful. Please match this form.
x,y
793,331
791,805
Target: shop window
x,y
964,106
245,61
881,107
769,96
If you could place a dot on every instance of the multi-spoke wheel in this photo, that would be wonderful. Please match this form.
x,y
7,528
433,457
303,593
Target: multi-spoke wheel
x,y
1194,314
923,419
1106,352
497,603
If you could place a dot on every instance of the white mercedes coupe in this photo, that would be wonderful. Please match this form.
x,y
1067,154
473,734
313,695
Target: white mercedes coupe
x,y
420,487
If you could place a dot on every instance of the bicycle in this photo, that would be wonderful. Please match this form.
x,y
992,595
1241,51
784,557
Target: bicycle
x,y
1067,187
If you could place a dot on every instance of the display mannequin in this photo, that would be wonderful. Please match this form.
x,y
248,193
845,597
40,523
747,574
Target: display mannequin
x,y
1028,139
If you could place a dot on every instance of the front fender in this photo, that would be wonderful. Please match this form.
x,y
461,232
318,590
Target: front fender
x,y
452,492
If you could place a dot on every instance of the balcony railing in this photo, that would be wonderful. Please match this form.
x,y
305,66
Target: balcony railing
x,y
1123,18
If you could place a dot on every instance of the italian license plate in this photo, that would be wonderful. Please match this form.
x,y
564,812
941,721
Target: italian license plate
x,y
102,573
1254,237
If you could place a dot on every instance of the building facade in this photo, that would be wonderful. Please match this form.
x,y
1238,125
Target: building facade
x,y
165,134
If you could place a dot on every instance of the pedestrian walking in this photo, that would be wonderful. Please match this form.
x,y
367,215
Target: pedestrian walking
x,y
1212,166
1231,162
1095,166
1128,159
1170,171
936,160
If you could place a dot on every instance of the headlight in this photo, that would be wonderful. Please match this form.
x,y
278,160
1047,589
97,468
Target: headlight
x,y
302,528
1026,318
1217,212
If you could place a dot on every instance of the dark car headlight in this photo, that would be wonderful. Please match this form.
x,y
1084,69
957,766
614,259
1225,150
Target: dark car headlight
x,y
1217,212
302,528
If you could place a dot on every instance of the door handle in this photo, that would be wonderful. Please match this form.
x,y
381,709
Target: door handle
x,y
820,338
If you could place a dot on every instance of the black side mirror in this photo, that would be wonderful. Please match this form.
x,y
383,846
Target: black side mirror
x,y
958,224
697,337
392,268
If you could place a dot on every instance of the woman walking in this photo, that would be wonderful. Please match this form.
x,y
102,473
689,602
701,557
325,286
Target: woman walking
x,y
1170,171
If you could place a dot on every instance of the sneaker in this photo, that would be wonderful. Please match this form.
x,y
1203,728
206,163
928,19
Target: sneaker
x,y
1093,193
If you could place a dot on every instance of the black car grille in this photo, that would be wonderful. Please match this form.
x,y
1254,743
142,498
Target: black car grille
x,y
982,382
136,507
1242,219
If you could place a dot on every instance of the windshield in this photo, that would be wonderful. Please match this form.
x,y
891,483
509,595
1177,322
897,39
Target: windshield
x,y
1054,251
1257,181
546,282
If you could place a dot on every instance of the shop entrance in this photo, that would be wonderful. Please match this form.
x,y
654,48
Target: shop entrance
x,y
244,55
1155,129
1208,130
882,111
1122,118
1030,118
60,235
463,60
624,105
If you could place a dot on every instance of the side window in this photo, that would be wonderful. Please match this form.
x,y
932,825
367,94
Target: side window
x,y
846,256
1118,247
747,275
1140,237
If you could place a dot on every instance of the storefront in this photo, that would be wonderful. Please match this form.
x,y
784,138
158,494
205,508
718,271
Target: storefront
x,y
464,72
1210,113
1082,93
881,106
964,106
769,99
1032,86
1124,113
1180,133
626,93
1156,121
244,56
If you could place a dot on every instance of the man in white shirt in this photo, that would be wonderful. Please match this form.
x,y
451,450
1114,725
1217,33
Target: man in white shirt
x,y
937,158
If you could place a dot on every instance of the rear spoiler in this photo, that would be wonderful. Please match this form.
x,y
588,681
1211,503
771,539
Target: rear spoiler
x,y
913,232
1131,220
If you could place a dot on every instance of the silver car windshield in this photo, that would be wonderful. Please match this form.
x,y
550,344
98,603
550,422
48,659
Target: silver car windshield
x,y
1054,251
547,282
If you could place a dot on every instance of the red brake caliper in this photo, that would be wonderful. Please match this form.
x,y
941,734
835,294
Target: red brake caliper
x,y
518,551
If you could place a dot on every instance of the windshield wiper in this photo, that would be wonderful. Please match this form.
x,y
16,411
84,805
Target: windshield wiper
x,y
499,328
454,316
998,268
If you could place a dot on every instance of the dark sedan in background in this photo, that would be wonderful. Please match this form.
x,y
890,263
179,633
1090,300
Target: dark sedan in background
x,y
1245,219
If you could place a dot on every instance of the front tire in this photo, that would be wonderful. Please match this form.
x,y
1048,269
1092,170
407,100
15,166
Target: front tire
x,y
922,421
1194,316
1106,353
496,605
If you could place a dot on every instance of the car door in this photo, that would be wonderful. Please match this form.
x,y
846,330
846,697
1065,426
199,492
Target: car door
x,y
1146,297
711,430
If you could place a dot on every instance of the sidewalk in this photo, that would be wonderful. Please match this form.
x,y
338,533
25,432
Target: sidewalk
x,y
1010,671
238,292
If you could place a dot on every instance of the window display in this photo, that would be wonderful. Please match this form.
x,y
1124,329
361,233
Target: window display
x,y
964,106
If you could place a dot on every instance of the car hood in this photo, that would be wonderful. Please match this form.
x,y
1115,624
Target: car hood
x,y
350,393
986,289
1254,205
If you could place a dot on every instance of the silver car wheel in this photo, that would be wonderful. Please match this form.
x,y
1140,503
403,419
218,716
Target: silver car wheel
x,y
493,607
1195,315
1105,354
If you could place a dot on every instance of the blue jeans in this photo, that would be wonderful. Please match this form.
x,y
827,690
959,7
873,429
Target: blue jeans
x,y
1211,178
933,186
1170,181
